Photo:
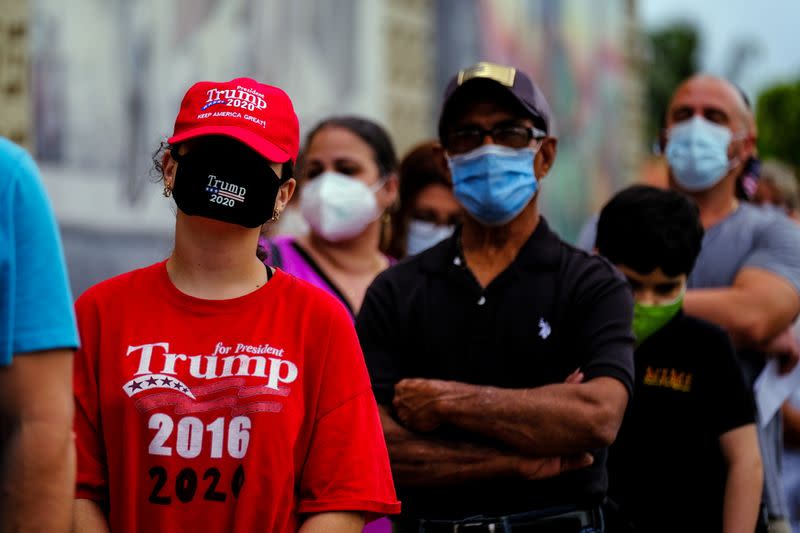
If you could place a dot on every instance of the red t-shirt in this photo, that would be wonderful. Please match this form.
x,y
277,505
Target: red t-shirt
x,y
228,415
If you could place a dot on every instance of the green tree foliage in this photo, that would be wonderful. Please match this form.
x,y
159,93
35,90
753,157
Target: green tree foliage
x,y
672,58
778,121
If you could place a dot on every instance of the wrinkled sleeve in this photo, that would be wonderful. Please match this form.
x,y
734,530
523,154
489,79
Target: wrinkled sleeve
x,y
730,401
347,466
604,305
92,475
377,325
777,250
43,317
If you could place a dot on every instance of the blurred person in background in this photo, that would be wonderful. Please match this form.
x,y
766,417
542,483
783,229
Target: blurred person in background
x,y
348,182
692,417
37,340
747,276
750,173
790,412
778,189
653,171
473,345
428,211
214,393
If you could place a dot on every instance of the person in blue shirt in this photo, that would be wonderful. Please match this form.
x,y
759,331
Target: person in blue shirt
x,y
37,339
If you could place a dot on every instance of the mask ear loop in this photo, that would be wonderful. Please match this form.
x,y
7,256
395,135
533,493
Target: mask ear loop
x,y
535,149
732,163
174,152
378,185
385,216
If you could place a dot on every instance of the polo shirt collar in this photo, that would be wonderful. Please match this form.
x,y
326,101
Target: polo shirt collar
x,y
540,252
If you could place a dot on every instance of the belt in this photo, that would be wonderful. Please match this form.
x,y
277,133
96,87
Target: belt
x,y
566,522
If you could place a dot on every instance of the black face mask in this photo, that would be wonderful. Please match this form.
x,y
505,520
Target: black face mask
x,y
226,181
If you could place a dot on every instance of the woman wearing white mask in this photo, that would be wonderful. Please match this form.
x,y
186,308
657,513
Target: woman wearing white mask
x,y
429,212
348,184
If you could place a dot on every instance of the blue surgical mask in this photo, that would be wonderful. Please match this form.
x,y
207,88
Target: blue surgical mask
x,y
697,152
494,183
423,235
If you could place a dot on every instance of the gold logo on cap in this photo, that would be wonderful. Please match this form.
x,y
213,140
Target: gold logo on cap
x,y
499,73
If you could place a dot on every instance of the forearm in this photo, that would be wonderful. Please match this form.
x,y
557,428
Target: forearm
x,y
750,323
745,478
88,518
742,497
560,419
36,409
333,522
448,464
419,460
39,479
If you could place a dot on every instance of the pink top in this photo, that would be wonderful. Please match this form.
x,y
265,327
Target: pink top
x,y
285,253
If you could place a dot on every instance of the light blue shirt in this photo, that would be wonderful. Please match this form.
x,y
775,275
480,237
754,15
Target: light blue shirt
x,y
753,237
749,237
36,310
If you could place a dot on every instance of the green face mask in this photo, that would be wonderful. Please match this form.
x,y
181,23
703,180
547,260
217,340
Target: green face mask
x,y
647,319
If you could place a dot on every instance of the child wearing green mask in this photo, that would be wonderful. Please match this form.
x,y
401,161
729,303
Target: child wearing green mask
x,y
687,456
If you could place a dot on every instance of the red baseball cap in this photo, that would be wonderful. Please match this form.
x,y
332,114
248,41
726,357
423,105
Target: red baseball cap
x,y
259,115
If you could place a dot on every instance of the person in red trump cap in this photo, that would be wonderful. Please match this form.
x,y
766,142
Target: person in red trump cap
x,y
212,392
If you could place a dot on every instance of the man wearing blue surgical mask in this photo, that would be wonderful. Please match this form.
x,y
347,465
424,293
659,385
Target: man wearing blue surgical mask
x,y
747,276
502,358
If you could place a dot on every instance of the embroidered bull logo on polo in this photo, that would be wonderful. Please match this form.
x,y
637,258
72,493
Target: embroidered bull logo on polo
x,y
544,328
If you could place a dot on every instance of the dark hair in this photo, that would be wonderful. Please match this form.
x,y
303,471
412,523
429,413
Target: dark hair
x,y
645,228
157,172
422,166
368,131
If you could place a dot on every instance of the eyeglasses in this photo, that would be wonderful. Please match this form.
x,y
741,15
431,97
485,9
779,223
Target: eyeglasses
x,y
512,136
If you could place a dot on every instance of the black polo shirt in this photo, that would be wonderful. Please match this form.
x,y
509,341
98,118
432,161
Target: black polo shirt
x,y
554,309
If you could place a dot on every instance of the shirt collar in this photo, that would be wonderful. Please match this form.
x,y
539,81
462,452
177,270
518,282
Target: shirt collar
x,y
540,252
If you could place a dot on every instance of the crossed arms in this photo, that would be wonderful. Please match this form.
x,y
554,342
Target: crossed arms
x,y
756,310
543,431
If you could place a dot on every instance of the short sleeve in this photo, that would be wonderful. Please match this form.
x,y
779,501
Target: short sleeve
x,y
347,466
91,481
603,312
588,234
377,327
41,312
777,250
729,399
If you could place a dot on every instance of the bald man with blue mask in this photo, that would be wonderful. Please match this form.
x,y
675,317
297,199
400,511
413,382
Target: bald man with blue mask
x,y
747,276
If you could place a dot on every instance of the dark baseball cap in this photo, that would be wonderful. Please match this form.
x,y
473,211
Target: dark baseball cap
x,y
516,82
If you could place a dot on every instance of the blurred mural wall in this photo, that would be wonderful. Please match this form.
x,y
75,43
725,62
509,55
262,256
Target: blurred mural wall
x,y
107,77
15,102
580,53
